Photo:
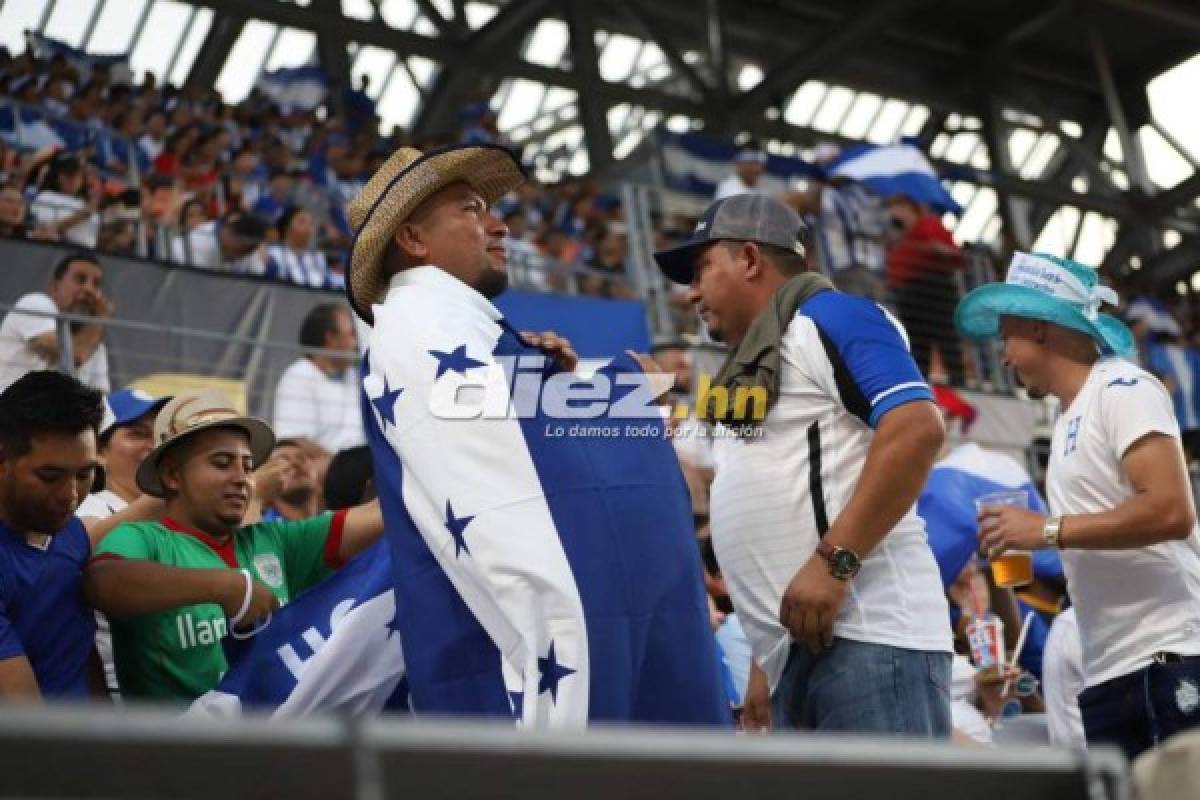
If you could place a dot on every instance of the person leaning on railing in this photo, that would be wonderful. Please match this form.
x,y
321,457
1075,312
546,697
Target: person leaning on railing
x,y
67,201
31,342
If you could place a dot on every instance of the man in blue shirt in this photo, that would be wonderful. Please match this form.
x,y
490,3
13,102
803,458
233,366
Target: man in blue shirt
x,y
48,424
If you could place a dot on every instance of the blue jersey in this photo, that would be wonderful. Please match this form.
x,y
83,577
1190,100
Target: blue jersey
x,y
42,613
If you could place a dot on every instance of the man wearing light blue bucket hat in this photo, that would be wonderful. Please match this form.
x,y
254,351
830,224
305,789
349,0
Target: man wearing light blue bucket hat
x,y
1121,506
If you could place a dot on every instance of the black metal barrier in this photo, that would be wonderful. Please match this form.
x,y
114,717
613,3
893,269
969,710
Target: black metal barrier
x,y
103,753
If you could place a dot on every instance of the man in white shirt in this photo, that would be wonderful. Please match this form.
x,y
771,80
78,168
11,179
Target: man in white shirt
x,y
1121,505
317,396
29,342
813,517
232,244
749,166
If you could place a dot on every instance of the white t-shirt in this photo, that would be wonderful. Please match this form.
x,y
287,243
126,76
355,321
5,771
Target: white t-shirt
x,y
1062,681
734,185
1130,603
50,207
845,364
308,403
18,357
202,248
99,505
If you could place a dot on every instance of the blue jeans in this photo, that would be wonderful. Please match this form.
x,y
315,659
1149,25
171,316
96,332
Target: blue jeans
x,y
859,687
1142,709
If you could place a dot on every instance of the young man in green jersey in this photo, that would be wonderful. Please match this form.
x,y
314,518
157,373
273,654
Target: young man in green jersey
x,y
174,587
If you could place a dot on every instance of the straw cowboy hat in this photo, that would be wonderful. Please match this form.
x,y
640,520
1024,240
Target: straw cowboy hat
x,y
188,414
403,182
1048,288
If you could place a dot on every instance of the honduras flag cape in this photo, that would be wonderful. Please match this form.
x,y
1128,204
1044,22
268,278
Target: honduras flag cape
x,y
333,648
947,504
539,575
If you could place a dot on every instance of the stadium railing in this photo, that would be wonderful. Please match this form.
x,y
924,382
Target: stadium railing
x,y
141,753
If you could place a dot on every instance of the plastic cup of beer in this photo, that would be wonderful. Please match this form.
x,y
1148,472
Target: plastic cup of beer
x,y
1013,567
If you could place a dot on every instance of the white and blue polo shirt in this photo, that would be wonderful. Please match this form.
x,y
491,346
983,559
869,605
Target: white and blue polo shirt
x,y
846,364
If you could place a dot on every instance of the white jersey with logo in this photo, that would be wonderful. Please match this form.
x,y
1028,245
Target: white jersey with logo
x,y
845,365
1135,602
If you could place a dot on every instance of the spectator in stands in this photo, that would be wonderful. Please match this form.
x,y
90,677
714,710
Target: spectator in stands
x,y
278,198
839,395
125,439
233,243
174,588
749,166
48,427
850,230
14,222
1063,680
1120,500
317,396
350,479
298,495
29,342
67,202
922,273
192,214
153,140
293,259
609,257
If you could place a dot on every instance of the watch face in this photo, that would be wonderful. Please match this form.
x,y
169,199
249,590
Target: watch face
x,y
843,562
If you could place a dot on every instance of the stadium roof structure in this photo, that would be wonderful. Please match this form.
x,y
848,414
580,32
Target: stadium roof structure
x,y
1035,111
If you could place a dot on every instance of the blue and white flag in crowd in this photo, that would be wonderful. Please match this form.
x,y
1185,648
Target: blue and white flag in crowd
x,y
295,88
334,649
695,163
947,504
43,47
895,169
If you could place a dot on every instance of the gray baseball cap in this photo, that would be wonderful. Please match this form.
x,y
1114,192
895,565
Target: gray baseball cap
x,y
740,217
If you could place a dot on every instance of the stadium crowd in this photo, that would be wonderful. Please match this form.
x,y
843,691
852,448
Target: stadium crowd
x,y
108,501
252,188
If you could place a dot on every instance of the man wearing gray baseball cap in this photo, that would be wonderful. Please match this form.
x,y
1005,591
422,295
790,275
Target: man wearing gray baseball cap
x,y
813,505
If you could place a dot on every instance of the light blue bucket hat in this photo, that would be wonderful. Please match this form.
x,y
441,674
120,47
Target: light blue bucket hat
x,y
1048,288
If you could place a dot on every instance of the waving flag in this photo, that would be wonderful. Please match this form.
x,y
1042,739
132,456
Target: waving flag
x,y
895,169
333,648
947,504
295,88
43,47
695,163
545,561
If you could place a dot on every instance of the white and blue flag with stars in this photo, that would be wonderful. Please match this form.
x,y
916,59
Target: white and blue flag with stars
x,y
334,648
552,579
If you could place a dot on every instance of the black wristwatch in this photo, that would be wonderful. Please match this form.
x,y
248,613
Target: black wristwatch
x,y
843,564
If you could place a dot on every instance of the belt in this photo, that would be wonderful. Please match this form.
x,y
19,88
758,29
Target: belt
x,y
1173,658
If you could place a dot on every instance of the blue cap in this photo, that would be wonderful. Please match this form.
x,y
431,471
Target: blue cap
x,y
129,405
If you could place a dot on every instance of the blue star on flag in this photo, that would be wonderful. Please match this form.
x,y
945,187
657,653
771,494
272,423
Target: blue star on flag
x,y
551,673
456,361
457,527
385,404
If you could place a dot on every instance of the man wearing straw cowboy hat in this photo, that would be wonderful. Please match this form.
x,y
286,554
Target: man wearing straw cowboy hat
x,y
173,588
1121,506
544,577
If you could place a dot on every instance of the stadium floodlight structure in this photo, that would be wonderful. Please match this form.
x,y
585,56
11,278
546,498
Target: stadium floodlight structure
x,y
1035,111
